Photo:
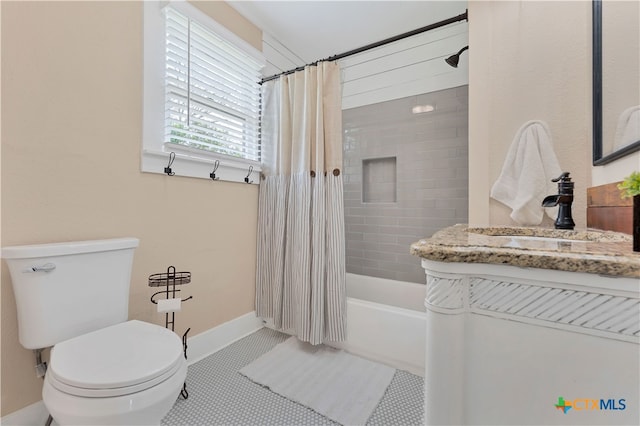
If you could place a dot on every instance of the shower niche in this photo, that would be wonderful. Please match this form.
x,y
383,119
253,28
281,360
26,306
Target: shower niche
x,y
379,180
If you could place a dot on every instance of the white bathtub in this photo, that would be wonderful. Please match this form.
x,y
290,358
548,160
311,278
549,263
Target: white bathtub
x,y
386,322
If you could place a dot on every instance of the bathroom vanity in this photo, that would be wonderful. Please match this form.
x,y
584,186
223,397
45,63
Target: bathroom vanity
x,y
525,322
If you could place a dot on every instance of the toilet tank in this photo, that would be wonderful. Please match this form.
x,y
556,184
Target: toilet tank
x,y
63,290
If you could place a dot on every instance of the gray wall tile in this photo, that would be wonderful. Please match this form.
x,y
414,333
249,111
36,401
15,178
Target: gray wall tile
x,y
425,190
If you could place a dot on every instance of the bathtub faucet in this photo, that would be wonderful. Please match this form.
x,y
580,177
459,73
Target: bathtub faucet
x,y
564,199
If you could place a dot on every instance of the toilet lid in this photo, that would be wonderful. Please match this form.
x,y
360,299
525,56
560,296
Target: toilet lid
x,y
116,358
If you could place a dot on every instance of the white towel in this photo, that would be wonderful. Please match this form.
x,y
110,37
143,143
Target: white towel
x,y
628,129
526,174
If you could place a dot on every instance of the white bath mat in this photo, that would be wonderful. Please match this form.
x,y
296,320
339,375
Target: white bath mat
x,y
338,385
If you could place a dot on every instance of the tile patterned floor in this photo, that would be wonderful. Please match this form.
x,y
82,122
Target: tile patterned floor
x,y
219,395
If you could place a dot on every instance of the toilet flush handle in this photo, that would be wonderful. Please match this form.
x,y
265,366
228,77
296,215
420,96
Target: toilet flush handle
x,y
47,267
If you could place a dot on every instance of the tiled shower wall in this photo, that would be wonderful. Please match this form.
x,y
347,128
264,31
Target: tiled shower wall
x,y
406,176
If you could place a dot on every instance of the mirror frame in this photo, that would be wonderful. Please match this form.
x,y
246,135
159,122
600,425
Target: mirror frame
x,y
598,159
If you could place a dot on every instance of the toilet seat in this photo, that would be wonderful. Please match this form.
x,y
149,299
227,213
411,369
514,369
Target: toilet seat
x,y
118,360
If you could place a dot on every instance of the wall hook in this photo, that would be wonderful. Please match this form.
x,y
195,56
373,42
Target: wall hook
x,y
167,170
212,175
246,179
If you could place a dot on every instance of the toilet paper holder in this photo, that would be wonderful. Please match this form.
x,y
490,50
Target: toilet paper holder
x,y
169,280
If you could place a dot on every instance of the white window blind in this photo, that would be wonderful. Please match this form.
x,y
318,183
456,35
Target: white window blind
x,y
212,98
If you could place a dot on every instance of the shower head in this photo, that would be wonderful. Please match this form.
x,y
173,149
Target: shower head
x,y
454,59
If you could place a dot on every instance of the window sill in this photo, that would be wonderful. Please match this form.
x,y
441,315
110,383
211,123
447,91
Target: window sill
x,y
190,164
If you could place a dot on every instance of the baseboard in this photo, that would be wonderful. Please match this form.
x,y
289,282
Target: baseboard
x,y
199,346
34,414
204,344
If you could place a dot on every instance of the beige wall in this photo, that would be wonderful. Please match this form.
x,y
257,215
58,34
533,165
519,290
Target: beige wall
x,y
71,141
528,60
226,15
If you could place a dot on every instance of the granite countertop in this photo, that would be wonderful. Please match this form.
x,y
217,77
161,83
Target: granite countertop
x,y
589,251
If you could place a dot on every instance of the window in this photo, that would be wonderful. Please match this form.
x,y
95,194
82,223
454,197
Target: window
x,y
212,97
206,79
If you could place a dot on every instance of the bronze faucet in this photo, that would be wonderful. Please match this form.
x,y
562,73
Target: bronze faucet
x,y
564,199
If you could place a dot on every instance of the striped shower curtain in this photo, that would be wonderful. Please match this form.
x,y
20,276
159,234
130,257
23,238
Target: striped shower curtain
x,y
300,279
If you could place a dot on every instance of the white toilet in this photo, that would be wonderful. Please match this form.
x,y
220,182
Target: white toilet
x,y
103,369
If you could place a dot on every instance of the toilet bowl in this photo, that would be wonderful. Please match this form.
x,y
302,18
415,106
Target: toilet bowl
x,y
129,374
103,369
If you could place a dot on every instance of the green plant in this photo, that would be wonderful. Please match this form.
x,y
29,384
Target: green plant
x,y
630,186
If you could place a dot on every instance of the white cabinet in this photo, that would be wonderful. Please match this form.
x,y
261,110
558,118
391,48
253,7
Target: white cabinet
x,y
505,343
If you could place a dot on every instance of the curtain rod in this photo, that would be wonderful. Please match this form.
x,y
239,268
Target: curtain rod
x,y
461,17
